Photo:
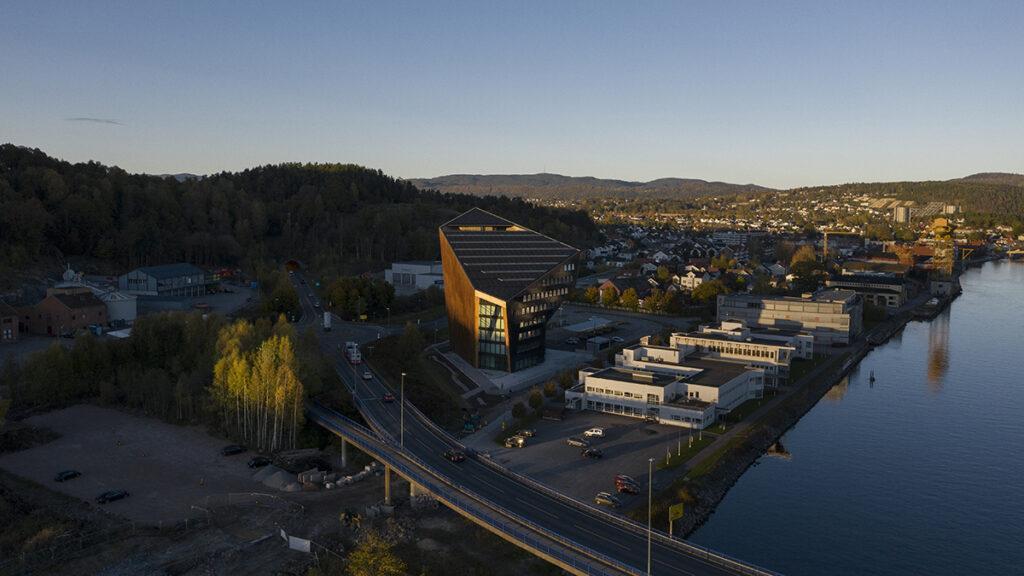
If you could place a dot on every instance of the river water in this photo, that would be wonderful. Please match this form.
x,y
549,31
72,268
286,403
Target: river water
x,y
921,472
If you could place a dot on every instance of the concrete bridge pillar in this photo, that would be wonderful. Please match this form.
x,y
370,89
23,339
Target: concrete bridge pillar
x,y
387,485
414,490
344,452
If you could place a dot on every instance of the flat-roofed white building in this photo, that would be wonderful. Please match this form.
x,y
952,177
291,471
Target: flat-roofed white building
x,y
832,316
735,342
653,382
415,275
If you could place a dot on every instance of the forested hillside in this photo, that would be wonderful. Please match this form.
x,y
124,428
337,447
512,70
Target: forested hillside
x,y
558,187
337,217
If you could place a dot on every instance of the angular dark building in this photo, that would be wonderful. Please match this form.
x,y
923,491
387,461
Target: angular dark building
x,y
502,282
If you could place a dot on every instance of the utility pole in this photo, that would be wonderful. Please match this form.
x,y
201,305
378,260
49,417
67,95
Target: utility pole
x,y
401,432
650,487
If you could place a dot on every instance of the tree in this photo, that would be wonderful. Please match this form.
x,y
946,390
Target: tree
x,y
723,262
550,388
663,274
629,299
655,301
708,291
591,295
804,254
518,410
536,399
410,344
374,556
608,297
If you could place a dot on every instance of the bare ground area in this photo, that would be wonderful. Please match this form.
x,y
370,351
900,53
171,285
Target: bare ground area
x,y
56,528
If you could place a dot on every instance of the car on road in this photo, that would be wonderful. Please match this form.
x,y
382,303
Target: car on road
x,y
516,441
592,453
606,499
367,375
259,461
594,433
577,442
618,339
112,496
232,449
67,475
316,304
527,433
572,340
388,398
455,456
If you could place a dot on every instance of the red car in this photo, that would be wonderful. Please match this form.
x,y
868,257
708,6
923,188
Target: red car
x,y
388,398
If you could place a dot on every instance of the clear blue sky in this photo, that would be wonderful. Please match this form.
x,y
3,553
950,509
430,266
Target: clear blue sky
x,y
777,93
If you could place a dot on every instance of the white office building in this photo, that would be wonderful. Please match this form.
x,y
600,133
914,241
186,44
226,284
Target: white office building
x,y
833,317
659,383
415,275
735,342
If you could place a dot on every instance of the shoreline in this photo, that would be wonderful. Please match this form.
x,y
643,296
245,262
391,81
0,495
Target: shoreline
x,y
705,492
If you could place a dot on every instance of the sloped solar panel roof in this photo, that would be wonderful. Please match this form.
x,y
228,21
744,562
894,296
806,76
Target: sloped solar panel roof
x,y
502,259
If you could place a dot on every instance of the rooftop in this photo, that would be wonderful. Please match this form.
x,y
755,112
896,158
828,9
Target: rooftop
x,y
635,376
752,339
714,373
164,271
79,300
501,258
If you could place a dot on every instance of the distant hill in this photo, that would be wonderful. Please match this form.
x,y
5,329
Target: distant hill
x,y
556,186
181,177
995,178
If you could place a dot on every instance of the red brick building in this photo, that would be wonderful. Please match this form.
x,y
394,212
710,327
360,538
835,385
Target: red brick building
x,y
65,313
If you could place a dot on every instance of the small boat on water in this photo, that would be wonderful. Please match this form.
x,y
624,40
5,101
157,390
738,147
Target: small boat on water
x,y
872,377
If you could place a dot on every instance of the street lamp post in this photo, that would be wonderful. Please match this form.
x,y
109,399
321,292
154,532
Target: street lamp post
x,y
401,421
388,308
650,487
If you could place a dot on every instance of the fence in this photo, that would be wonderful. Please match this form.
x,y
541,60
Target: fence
x,y
71,544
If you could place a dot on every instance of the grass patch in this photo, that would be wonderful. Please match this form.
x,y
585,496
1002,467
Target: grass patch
x,y
688,451
427,384
801,367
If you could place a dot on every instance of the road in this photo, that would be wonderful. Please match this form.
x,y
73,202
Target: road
x,y
592,529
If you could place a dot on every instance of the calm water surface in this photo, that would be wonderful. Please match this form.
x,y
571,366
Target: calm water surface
x,y
921,472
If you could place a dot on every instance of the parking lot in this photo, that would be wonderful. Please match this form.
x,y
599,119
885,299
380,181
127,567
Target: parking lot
x,y
627,445
167,469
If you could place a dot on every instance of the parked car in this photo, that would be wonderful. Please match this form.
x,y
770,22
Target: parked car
x,y
367,375
577,442
232,449
527,433
627,488
617,339
67,475
259,461
516,441
572,340
455,455
606,499
594,433
624,478
111,496
592,453
388,397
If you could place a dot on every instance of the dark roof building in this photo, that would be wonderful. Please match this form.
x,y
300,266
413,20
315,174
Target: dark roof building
x,y
502,284
167,280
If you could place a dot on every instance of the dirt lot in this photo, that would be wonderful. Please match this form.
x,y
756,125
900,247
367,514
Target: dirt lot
x,y
167,469
627,445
